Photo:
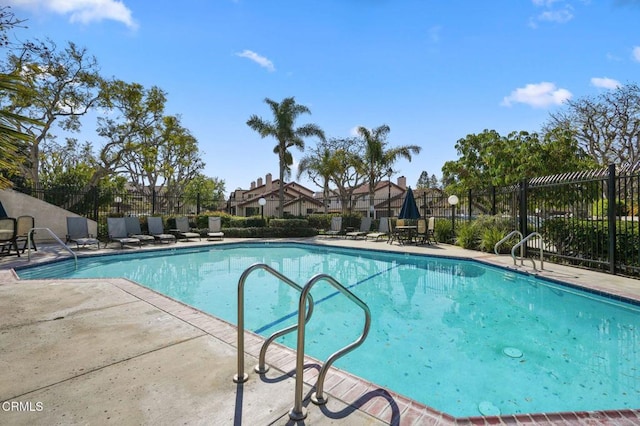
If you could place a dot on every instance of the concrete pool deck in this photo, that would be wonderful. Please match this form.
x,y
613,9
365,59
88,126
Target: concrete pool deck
x,y
96,351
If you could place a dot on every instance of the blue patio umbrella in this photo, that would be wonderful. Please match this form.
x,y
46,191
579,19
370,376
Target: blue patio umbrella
x,y
409,208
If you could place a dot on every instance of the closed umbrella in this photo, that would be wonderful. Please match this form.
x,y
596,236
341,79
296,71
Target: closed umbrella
x,y
409,208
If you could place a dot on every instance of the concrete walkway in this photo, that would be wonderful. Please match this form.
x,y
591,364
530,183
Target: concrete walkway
x,y
111,352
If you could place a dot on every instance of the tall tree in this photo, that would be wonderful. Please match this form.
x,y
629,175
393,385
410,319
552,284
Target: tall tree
x,y
607,126
282,129
63,86
181,158
488,159
209,191
13,139
350,171
319,167
69,165
378,158
135,113
165,156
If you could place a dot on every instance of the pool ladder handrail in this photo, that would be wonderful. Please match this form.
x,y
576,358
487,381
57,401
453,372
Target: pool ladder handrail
x,y
298,412
261,368
511,234
521,245
55,237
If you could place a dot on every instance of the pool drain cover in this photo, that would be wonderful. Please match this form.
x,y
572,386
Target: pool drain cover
x,y
487,408
512,352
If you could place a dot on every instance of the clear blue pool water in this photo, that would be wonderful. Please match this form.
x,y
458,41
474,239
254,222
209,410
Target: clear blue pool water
x,y
459,336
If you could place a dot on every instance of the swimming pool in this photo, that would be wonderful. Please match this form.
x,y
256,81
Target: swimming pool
x,y
462,337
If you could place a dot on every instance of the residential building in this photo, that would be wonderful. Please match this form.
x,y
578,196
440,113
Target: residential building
x,y
298,199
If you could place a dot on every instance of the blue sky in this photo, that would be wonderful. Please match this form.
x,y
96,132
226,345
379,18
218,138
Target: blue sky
x,y
433,70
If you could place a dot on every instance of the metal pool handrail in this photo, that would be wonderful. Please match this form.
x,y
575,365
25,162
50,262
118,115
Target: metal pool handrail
x,y
511,234
521,245
242,377
66,247
298,412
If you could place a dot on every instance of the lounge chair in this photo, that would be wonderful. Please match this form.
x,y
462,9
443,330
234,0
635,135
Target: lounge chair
x,y
336,226
24,225
156,229
78,232
134,231
182,225
215,224
365,227
8,235
117,228
383,230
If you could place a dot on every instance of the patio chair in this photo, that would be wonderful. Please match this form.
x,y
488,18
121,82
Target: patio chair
x,y
8,235
24,225
135,231
395,234
78,232
336,226
215,224
383,230
117,228
431,230
182,225
156,229
365,227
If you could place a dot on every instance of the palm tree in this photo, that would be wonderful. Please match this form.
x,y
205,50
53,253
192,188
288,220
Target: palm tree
x,y
11,135
282,128
377,159
319,167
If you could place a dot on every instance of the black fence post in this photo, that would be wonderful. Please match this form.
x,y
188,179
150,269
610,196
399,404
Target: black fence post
x,y
96,206
198,203
153,201
424,204
611,215
524,186
469,195
493,200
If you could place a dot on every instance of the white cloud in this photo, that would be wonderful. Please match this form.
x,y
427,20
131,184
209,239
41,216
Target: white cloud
x,y
258,59
559,16
83,11
605,82
539,95
561,13
636,53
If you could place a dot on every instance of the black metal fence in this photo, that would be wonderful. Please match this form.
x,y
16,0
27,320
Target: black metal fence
x,y
589,218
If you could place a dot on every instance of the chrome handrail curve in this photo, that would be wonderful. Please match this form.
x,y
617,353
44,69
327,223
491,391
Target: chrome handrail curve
x,y
511,234
298,412
521,245
29,238
241,376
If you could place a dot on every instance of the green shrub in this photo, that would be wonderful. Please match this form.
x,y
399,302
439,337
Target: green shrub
x,y
491,236
468,236
443,230
269,232
323,221
247,222
600,208
289,223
